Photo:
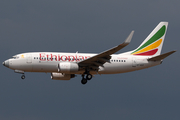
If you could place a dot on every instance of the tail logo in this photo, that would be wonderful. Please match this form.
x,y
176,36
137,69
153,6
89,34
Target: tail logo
x,y
151,46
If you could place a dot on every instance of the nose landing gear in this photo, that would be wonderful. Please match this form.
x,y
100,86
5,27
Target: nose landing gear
x,y
21,72
23,77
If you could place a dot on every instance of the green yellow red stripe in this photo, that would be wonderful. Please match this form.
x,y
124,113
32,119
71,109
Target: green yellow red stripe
x,y
150,47
152,43
151,52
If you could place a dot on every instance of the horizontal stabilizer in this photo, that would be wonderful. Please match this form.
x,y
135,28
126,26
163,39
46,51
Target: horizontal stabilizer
x,y
161,57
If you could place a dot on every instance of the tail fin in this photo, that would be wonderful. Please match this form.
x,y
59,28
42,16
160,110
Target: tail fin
x,y
152,45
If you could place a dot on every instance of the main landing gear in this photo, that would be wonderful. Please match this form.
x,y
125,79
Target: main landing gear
x,y
85,79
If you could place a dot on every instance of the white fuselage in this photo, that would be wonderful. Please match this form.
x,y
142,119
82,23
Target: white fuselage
x,y
64,66
48,62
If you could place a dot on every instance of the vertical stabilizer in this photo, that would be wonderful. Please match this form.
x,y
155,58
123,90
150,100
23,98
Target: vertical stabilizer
x,y
152,45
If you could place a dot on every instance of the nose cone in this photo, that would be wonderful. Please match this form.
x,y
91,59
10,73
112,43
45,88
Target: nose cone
x,y
6,63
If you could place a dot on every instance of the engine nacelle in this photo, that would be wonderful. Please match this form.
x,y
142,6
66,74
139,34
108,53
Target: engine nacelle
x,y
68,67
61,76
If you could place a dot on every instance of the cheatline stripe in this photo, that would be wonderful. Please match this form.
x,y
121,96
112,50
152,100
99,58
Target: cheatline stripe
x,y
155,37
150,47
151,52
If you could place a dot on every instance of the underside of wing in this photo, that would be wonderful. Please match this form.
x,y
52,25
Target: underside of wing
x,y
94,62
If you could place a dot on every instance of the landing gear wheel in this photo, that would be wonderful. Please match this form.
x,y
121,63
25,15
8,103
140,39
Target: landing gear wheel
x,y
88,76
23,77
84,81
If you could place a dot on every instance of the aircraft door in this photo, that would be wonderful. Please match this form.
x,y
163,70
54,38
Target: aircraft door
x,y
134,64
29,58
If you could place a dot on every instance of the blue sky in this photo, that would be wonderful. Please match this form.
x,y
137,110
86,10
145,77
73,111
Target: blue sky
x,y
88,26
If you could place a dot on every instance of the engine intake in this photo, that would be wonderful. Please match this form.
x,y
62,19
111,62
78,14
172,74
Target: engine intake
x,y
61,76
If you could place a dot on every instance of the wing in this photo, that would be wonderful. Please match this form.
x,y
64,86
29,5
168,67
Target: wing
x,y
94,62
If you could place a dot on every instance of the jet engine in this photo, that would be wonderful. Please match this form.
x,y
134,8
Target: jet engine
x,y
68,67
61,76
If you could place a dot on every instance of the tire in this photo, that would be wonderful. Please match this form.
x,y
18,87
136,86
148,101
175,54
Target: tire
x,y
84,81
88,76
23,77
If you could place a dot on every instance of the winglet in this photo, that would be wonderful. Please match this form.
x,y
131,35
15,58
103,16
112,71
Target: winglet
x,y
119,47
104,56
128,39
161,57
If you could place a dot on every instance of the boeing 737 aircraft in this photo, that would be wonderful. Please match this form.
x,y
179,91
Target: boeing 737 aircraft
x,y
64,66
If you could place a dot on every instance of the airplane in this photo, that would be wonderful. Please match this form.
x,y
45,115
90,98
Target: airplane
x,y
64,66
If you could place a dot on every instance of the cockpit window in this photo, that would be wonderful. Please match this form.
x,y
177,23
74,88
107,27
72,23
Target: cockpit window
x,y
15,57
